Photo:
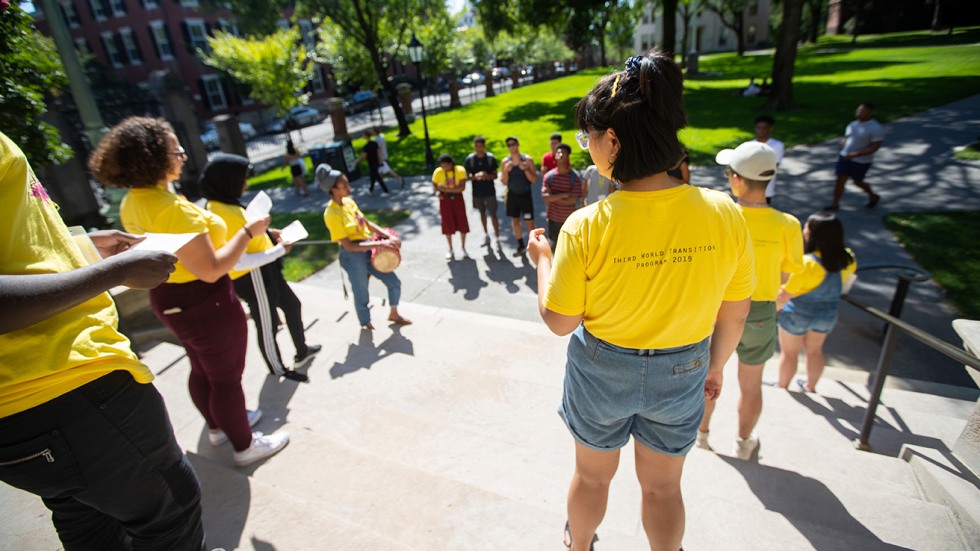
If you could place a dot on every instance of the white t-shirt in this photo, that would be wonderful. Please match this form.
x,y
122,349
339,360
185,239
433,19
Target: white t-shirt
x,y
779,148
859,135
382,147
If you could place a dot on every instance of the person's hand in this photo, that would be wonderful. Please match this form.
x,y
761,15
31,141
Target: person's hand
x,y
258,227
394,242
143,269
537,245
113,242
712,385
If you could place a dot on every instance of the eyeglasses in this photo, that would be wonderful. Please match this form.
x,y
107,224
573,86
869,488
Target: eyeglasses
x,y
729,172
582,137
180,152
511,144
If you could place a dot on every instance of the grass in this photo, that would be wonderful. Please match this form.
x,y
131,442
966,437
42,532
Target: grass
x,y
969,153
279,177
945,244
305,260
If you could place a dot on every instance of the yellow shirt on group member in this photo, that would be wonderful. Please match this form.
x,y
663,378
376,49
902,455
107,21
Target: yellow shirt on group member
x,y
234,217
777,243
813,273
74,347
440,177
650,269
158,210
346,221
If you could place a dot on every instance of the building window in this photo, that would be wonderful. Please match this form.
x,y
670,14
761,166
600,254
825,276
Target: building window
x,y
229,27
112,52
282,24
188,3
132,47
754,8
162,40
118,7
722,38
149,4
71,14
82,46
751,34
197,35
316,81
306,31
97,9
215,92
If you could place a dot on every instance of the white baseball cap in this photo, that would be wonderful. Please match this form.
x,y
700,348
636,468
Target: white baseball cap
x,y
752,160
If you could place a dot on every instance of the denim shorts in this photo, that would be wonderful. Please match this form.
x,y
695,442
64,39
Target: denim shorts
x,y
613,392
798,323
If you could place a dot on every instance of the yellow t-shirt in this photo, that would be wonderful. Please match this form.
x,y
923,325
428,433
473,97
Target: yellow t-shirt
x,y
74,347
157,210
440,177
777,243
346,221
234,217
650,269
813,273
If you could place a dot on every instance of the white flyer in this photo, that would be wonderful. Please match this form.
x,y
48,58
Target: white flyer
x,y
169,242
259,207
294,232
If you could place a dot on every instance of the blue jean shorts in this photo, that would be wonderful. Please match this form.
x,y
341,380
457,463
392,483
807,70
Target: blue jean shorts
x,y
613,392
798,323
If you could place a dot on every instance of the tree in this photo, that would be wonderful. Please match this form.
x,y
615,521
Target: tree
x,y
781,94
860,8
687,10
813,22
255,17
732,15
669,21
30,70
622,25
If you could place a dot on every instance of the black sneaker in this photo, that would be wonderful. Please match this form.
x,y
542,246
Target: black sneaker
x,y
295,376
520,251
299,362
873,201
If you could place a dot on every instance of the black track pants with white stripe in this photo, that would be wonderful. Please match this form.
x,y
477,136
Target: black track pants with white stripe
x,y
264,290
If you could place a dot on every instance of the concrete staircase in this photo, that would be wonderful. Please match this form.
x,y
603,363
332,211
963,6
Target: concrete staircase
x,y
442,436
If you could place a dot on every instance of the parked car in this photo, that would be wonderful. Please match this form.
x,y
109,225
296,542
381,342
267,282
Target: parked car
x,y
297,117
363,100
500,73
473,79
210,134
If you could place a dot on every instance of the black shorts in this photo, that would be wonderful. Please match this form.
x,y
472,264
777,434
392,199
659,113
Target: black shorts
x,y
296,170
520,206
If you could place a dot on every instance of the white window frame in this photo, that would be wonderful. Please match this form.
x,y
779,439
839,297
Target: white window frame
x,y
71,14
215,80
306,32
189,3
100,15
132,47
111,50
316,81
82,46
161,38
150,4
118,7
230,27
201,41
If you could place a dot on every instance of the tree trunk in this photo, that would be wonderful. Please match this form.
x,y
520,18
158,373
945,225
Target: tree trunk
x,y
816,11
488,82
670,27
371,44
685,38
937,15
781,93
740,33
454,93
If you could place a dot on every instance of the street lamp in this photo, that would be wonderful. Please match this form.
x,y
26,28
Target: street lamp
x,y
415,54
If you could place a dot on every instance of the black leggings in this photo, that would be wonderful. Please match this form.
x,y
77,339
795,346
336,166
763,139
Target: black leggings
x,y
264,290
376,177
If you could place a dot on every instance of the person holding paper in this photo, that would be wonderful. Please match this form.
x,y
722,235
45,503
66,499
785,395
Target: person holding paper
x,y
197,302
257,277
76,404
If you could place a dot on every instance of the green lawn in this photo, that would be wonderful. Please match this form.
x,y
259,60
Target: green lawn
x,y
955,264
279,177
969,153
305,260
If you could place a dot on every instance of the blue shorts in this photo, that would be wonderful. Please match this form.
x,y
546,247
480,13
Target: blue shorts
x,y
613,392
798,323
850,168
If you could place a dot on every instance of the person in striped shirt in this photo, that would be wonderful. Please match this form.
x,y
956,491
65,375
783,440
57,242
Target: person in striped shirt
x,y
561,191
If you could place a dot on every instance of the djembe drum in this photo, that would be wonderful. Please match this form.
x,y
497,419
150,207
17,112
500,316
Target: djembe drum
x,y
384,258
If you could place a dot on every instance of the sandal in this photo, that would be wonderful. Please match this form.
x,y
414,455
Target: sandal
x,y
398,320
568,538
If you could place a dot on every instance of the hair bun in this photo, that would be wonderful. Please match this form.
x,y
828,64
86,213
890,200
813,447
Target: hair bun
x,y
633,64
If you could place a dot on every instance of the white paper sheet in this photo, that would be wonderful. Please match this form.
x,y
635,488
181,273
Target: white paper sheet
x,y
259,207
294,232
170,242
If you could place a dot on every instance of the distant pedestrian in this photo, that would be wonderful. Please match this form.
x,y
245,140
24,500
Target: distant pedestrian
x,y
595,186
449,182
681,173
548,160
385,168
297,168
372,153
763,127
752,89
481,169
809,300
518,173
862,138
561,190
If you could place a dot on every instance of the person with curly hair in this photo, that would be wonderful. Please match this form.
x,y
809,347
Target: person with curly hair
x,y
197,302
653,283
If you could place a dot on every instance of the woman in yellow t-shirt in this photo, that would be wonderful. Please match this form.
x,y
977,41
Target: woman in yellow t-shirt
x,y
353,231
449,181
809,300
198,302
642,279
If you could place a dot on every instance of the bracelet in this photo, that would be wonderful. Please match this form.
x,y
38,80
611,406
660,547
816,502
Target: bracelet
x,y
248,233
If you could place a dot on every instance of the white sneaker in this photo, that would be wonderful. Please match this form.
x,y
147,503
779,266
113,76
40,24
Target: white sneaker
x,y
745,449
218,437
263,446
702,441
449,255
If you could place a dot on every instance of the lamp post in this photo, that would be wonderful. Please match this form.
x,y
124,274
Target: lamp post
x,y
415,54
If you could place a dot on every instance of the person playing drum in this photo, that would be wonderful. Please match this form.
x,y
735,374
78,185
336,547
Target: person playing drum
x,y
353,232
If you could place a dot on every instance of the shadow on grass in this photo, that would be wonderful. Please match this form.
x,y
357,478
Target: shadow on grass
x,y
560,114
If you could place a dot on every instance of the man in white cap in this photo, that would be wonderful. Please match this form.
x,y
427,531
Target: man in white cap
x,y
777,242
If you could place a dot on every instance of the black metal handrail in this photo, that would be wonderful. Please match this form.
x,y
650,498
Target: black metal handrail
x,y
894,326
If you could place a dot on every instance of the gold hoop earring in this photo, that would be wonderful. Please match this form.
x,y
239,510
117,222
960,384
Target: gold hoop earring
x,y
611,159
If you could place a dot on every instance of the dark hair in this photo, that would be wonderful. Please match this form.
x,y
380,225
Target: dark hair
x,y
512,139
134,154
556,136
644,105
869,105
222,178
766,119
480,139
827,238
567,148
446,158
290,148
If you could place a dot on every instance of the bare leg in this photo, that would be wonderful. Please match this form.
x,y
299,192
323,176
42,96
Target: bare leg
x,y
394,316
839,190
589,492
529,224
750,398
663,505
515,224
449,241
462,242
709,409
496,226
789,353
813,345
483,220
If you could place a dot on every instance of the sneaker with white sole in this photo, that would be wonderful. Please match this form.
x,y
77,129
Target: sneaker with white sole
x,y
263,446
747,447
218,437
299,362
702,441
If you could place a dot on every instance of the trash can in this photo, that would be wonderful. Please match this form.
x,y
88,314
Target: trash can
x,y
339,155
